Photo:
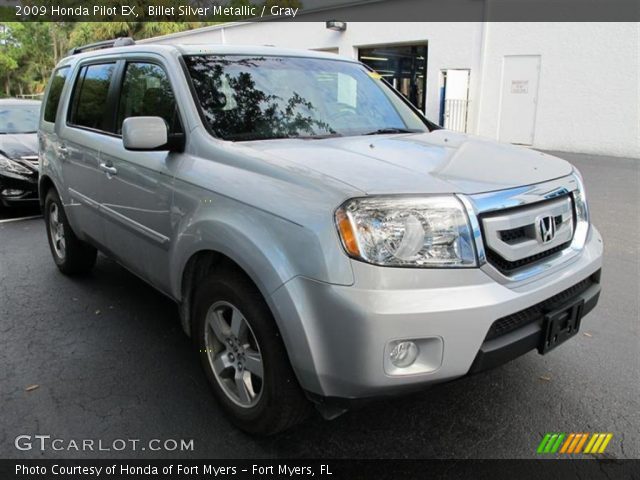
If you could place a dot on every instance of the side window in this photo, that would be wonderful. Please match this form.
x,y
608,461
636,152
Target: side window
x,y
89,105
146,91
55,91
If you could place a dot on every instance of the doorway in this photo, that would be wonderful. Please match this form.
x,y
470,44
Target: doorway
x,y
404,67
454,99
519,99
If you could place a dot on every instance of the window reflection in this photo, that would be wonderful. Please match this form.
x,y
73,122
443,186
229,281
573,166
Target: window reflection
x,y
146,92
252,98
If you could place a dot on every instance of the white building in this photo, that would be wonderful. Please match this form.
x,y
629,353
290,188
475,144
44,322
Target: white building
x,y
555,86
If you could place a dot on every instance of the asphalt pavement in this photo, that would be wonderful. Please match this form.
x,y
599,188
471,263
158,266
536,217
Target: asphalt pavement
x,y
103,357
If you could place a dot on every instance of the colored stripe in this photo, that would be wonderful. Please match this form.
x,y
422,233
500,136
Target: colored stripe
x,y
550,443
574,443
558,442
591,442
543,443
582,440
567,442
605,443
596,446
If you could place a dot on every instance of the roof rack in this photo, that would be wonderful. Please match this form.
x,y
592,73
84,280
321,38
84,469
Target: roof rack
x,y
117,42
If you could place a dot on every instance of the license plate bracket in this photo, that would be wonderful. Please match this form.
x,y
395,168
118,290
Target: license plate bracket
x,y
560,325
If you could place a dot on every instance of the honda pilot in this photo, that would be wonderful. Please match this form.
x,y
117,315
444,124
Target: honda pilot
x,y
324,241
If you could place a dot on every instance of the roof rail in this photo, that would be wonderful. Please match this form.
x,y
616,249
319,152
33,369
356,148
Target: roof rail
x,y
117,42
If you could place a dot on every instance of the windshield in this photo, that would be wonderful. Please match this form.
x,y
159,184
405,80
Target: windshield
x,y
19,118
265,97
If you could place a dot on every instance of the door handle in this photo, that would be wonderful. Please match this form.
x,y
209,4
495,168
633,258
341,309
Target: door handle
x,y
110,170
63,151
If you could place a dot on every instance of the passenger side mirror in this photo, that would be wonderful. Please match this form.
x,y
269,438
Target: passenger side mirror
x,y
145,133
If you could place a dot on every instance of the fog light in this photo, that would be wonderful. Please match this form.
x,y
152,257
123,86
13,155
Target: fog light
x,y
10,192
404,354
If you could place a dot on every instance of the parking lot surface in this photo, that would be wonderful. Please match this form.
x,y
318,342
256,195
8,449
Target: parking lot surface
x,y
110,361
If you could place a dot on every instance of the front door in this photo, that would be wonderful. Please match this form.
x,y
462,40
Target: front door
x,y
138,191
519,98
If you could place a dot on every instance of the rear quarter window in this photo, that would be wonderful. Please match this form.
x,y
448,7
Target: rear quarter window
x,y
55,92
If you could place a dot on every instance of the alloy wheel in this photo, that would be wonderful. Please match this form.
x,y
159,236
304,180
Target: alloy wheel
x,y
234,354
56,228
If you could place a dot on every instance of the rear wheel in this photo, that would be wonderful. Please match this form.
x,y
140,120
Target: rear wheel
x,y
71,255
243,356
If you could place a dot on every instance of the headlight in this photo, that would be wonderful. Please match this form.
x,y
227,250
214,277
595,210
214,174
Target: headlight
x,y
428,231
11,166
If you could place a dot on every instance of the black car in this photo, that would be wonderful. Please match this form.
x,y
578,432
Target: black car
x,y
18,152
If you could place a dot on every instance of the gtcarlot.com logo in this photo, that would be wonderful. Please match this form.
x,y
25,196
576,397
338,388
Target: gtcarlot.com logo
x,y
47,442
574,443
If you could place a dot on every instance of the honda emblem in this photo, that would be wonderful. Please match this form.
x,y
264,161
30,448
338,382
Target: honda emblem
x,y
546,229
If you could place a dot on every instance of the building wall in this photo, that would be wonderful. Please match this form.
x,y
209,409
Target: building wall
x,y
451,45
588,97
588,92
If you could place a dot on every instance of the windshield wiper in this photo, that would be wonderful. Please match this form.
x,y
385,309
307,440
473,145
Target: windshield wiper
x,y
318,137
247,137
382,131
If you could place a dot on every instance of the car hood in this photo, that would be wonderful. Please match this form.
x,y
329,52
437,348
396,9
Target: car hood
x,y
438,162
17,145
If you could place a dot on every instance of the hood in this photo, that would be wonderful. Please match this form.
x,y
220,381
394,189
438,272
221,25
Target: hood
x,y
17,145
438,162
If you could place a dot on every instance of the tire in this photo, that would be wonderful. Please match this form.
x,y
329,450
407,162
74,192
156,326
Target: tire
x,y
272,402
71,255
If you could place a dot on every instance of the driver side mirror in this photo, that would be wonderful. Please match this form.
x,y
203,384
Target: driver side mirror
x,y
145,134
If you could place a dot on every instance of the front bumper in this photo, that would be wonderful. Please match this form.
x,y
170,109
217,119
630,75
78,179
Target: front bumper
x,y
338,337
26,184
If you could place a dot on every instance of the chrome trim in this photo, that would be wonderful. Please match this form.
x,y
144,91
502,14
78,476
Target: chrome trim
x,y
83,199
122,220
476,232
135,227
515,197
499,200
527,217
33,159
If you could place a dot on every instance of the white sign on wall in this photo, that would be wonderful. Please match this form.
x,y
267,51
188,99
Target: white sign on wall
x,y
520,86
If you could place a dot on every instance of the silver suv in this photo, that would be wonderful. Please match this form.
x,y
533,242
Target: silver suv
x,y
323,240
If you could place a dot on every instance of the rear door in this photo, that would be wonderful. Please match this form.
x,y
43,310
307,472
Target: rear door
x,y
88,125
50,123
138,193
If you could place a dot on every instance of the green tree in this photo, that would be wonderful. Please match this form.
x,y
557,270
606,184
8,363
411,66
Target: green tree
x,y
30,50
36,61
89,32
10,54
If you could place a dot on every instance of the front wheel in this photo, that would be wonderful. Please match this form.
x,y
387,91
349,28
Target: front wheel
x,y
71,255
243,356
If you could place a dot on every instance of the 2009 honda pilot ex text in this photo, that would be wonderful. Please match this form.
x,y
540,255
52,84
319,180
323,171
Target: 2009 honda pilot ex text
x,y
324,241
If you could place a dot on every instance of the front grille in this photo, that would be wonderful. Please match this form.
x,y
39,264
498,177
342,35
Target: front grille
x,y
513,235
511,238
536,312
507,267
